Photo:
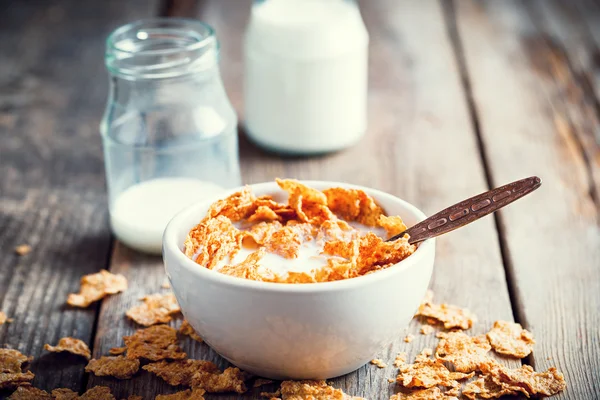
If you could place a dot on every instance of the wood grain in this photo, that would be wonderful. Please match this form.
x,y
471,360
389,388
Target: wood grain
x,y
52,93
416,102
552,238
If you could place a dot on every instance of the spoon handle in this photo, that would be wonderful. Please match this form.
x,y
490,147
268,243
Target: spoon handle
x,y
469,210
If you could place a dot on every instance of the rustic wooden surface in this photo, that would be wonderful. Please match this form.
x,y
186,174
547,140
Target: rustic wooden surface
x,y
463,96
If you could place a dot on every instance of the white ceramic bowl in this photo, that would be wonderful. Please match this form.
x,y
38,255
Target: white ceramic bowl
x,y
298,331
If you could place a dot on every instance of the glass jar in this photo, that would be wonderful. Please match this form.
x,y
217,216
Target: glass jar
x,y
305,81
169,131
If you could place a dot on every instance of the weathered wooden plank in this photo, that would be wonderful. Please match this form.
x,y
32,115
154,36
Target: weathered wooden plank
x,y
420,146
52,92
552,238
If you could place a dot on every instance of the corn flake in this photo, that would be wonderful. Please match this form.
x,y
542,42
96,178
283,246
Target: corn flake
x,y
115,351
118,367
451,316
409,338
97,393
230,380
95,287
312,390
432,393
523,380
510,339
4,319
193,394
29,393
188,330
155,343
180,372
260,382
378,363
23,249
157,308
11,369
427,373
400,359
466,353
71,345
426,329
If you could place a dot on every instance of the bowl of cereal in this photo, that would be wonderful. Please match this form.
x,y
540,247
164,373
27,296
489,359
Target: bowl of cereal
x,y
295,280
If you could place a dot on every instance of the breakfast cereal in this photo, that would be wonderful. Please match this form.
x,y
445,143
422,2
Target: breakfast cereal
x,y
400,359
29,393
316,237
510,339
230,380
426,330
156,309
180,372
71,345
95,287
378,363
498,380
186,329
427,373
189,394
97,393
314,390
451,316
260,382
115,351
155,343
23,249
466,353
409,338
118,367
11,369
432,393
4,318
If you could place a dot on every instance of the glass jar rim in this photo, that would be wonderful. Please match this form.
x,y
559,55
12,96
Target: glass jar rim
x,y
176,22
165,47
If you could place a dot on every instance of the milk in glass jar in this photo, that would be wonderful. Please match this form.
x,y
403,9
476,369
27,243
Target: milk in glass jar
x,y
305,75
169,130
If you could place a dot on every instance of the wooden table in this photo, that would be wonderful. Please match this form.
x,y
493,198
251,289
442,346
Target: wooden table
x,y
463,96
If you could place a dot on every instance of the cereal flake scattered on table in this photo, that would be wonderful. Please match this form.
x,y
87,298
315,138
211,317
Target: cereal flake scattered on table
x,y
260,382
427,373
118,367
95,287
511,339
64,394
156,308
188,330
11,369
409,338
400,359
433,393
189,394
23,249
466,353
115,351
426,329
451,316
180,372
378,363
230,380
312,390
29,393
155,343
97,393
4,319
71,345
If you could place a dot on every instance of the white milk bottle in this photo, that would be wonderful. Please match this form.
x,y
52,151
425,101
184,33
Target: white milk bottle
x,y
305,75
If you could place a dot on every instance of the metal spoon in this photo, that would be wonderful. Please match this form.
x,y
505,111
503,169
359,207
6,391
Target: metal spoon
x,y
469,210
